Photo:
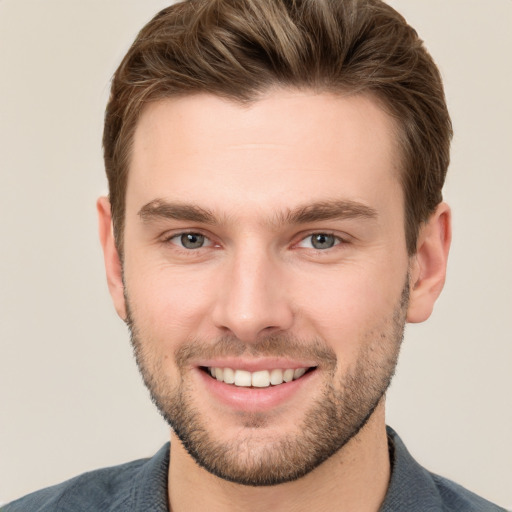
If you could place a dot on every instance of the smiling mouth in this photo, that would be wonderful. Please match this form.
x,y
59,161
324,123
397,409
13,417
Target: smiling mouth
x,y
258,379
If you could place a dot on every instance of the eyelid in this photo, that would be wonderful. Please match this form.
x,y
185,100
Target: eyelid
x,y
170,237
339,239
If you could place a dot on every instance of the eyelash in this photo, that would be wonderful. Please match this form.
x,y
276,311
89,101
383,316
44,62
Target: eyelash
x,y
337,240
169,239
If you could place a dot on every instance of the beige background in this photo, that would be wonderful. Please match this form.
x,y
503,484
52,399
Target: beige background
x,y
71,399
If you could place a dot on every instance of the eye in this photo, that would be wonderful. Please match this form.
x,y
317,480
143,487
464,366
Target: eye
x,y
191,240
319,241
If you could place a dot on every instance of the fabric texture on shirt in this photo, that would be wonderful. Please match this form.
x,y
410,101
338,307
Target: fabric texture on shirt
x,y
141,486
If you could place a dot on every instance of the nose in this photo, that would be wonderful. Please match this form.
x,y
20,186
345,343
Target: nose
x,y
253,299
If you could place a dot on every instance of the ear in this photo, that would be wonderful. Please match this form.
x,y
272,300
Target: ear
x,y
428,265
113,265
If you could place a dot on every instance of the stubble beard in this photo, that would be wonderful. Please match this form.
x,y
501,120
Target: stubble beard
x,y
345,405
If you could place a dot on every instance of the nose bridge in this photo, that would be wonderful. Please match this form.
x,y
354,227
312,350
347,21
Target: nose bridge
x,y
253,298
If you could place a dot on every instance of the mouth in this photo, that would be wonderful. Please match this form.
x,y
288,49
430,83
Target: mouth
x,y
258,379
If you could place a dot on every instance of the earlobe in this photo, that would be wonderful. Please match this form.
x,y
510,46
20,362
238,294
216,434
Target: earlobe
x,y
113,266
428,265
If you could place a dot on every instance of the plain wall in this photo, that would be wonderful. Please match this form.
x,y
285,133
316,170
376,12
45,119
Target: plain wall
x,y
70,395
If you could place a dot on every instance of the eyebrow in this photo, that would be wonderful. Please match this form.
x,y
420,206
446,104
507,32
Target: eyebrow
x,y
313,212
160,209
327,210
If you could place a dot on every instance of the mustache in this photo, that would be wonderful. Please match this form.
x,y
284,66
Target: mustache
x,y
282,345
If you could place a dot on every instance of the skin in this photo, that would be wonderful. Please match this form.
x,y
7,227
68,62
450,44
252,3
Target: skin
x,y
259,275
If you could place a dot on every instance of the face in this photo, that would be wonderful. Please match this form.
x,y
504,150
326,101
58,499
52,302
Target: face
x,y
265,275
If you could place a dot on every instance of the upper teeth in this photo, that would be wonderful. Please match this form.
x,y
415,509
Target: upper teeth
x,y
259,379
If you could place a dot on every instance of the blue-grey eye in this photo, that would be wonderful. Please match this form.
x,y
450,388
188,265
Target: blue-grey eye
x,y
192,240
323,241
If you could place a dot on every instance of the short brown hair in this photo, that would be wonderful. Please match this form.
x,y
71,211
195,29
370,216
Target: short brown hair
x,y
238,49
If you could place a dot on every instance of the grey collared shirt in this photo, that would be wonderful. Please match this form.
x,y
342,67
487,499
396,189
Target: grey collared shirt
x,y
142,486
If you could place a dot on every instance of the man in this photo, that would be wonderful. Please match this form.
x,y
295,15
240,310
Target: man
x,y
274,218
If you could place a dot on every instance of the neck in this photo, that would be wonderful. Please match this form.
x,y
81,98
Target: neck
x,y
354,478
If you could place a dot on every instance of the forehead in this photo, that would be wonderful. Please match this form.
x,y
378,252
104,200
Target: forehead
x,y
286,148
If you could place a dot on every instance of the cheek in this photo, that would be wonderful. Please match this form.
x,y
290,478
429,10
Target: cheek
x,y
350,308
168,305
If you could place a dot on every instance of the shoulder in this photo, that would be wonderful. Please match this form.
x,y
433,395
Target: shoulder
x,y
412,487
109,489
94,490
455,497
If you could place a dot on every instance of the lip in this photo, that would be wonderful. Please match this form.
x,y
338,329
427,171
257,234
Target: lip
x,y
255,365
244,399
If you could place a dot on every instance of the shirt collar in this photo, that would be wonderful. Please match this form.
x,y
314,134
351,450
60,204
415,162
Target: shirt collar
x,y
410,484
